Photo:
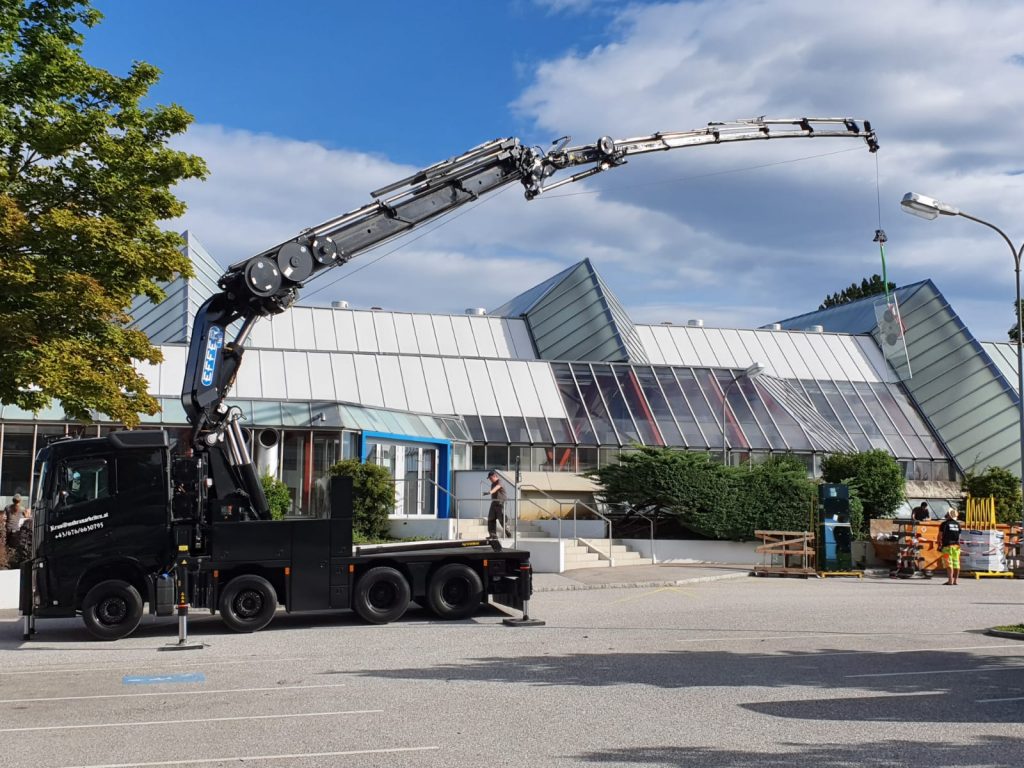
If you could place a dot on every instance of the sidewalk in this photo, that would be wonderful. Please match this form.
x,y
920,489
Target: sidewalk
x,y
661,575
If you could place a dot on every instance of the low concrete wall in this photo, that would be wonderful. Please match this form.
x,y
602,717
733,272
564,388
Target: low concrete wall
x,y
682,551
545,556
9,583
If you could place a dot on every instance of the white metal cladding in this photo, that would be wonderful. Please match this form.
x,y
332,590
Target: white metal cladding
x,y
415,384
445,335
1004,355
368,377
426,339
483,391
345,384
500,377
405,333
437,385
784,354
321,377
366,332
296,370
458,385
391,382
384,325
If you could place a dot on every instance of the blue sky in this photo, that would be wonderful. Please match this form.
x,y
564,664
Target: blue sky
x,y
303,108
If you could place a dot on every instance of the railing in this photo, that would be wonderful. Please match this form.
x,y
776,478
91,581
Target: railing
x,y
575,505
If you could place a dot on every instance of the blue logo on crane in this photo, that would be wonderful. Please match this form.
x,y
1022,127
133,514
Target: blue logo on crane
x,y
214,342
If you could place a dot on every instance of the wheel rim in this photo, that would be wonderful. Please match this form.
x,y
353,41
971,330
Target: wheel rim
x,y
455,591
248,604
112,611
382,595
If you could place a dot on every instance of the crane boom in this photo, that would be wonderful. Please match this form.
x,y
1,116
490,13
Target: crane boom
x,y
269,282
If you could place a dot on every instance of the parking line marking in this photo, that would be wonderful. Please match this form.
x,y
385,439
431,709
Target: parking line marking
x,y
173,693
990,668
112,667
183,722
990,701
237,758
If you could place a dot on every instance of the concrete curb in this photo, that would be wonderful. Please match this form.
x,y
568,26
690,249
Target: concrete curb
x,y
1005,635
580,586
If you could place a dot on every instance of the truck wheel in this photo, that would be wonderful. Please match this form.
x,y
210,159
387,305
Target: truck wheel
x,y
112,609
382,595
455,591
248,603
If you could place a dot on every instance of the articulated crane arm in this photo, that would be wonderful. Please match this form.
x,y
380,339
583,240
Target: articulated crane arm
x,y
269,282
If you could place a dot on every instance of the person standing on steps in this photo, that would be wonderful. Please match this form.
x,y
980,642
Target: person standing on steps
x,y
496,513
949,543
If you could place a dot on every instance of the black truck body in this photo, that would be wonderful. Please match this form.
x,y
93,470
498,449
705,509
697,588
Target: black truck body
x,y
116,520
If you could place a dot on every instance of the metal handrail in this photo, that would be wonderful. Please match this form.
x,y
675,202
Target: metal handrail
x,y
575,533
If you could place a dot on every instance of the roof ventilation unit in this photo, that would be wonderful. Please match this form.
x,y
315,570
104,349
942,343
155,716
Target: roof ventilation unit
x,y
816,329
476,311
776,326
339,304
698,323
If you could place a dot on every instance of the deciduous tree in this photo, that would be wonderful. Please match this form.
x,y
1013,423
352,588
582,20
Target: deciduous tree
x,y
85,177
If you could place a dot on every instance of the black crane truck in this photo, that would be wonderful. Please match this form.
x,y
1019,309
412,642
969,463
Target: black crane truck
x,y
114,516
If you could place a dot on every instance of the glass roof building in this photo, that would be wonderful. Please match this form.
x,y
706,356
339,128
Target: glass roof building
x,y
560,380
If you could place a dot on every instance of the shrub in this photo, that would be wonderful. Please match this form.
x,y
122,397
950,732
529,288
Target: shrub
x,y
373,498
279,496
1000,483
876,476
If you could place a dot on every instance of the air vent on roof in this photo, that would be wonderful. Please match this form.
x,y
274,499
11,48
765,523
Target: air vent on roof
x,y
698,323
339,304
816,329
666,322
776,326
477,311
376,309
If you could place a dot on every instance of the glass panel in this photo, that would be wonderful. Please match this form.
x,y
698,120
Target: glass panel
x,y
574,408
293,461
497,457
327,451
265,413
411,489
679,406
428,468
16,470
539,432
822,405
848,422
607,456
522,453
606,383
743,428
476,431
479,460
903,425
543,458
643,416
881,419
565,458
712,391
516,426
561,431
707,420
757,407
494,429
586,458
173,412
659,407
871,429
592,403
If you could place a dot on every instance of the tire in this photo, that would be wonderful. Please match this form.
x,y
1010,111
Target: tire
x,y
382,595
112,609
455,591
248,603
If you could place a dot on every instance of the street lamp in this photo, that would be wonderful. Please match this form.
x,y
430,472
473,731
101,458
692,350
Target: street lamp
x,y
930,208
750,373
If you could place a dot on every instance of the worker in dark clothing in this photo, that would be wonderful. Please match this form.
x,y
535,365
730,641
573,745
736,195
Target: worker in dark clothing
x,y
949,544
496,513
921,512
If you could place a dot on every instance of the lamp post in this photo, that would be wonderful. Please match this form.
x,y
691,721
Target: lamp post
x,y
750,373
930,208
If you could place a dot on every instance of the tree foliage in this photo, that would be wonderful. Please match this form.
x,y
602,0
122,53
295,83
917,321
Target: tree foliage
x,y
709,499
373,498
876,476
1012,333
1001,484
85,175
866,287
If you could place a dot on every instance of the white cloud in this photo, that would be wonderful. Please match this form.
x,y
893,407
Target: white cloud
x,y
942,83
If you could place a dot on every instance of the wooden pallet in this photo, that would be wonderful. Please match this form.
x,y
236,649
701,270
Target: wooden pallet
x,y
826,574
786,553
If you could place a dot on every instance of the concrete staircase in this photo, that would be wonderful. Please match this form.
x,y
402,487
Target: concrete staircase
x,y
576,553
